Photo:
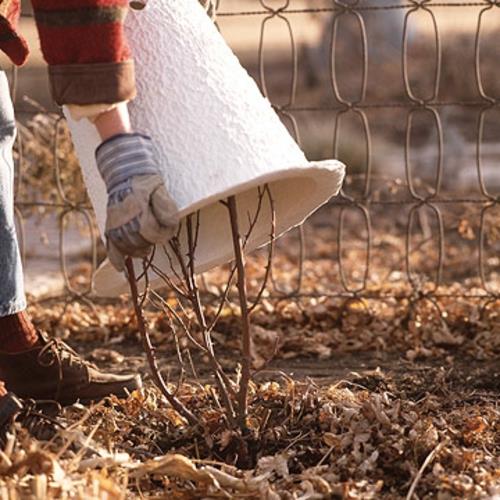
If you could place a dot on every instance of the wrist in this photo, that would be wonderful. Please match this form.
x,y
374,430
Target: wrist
x,y
113,122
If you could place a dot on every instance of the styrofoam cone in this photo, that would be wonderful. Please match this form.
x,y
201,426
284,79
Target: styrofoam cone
x,y
215,136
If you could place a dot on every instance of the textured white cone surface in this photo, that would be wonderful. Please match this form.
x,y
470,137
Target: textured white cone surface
x,y
215,135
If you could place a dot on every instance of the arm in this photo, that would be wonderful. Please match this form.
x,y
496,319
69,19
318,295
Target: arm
x,y
113,122
84,45
91,71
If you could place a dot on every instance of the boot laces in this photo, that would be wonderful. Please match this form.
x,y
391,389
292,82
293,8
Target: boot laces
x,y
56,350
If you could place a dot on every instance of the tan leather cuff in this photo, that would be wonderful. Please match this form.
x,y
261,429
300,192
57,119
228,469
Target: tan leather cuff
x,y
96,83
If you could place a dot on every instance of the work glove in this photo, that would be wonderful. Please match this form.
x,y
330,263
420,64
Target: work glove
x,y
140,212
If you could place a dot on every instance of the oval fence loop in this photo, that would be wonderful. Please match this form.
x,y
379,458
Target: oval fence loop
x,y
410,94
367,145
364,57
439,161
293,55
292,292
414,281
479,154
477,54
63,217
340,247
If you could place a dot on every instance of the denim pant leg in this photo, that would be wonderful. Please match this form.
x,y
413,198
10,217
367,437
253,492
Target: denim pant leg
x,y
12,298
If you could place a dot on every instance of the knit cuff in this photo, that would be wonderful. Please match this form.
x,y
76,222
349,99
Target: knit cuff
x,y
103,83
124,156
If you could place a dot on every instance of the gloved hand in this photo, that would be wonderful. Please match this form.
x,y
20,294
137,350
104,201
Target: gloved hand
x,y
140,211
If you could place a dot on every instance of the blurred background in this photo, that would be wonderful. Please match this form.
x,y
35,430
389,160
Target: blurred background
x,y
405,94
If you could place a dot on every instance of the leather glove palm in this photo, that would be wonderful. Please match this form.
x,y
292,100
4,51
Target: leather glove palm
x,y
140,212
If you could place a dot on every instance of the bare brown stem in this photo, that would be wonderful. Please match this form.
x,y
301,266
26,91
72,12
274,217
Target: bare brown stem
x,y
245,315
150,351
223,381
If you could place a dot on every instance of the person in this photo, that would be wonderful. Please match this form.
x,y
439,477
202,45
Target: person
x,y
91,71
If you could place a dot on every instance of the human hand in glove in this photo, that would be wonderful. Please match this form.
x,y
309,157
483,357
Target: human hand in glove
x,y
140,212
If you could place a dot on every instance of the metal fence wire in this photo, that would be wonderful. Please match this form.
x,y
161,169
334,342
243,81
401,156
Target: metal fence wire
x,y
411,108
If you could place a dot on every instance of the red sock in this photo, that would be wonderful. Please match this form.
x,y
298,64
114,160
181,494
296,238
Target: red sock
x,y
17,333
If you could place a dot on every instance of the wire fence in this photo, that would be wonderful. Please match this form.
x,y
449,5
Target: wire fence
x,y
444,234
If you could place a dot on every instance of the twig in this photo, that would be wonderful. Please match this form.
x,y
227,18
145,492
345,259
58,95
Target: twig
x,y
170,283
267,274
182,374
269,264
253,221
77,425
245,317
222,379
191,364
223,300
148,347
427,461
169,309
225,385
326,455
85,445
268,361
145,294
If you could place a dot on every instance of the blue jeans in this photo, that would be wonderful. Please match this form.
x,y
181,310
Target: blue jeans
x,y
12,298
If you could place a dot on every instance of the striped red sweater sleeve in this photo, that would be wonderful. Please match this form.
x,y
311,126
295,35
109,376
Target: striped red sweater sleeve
x,y
84,44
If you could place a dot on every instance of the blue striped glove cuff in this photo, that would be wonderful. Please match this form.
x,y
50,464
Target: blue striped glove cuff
x,y
124,156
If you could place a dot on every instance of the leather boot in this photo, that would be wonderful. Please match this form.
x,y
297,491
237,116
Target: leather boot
x,y
52,370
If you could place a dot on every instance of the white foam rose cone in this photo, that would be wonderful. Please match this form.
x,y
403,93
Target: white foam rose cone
x,y
215,136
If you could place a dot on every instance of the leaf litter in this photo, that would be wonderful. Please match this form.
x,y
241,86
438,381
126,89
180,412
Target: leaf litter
x,y
389,394
360,399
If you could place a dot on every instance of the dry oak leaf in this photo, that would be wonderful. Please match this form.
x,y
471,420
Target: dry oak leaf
x,y
177,466
183,468
274,464
264,345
